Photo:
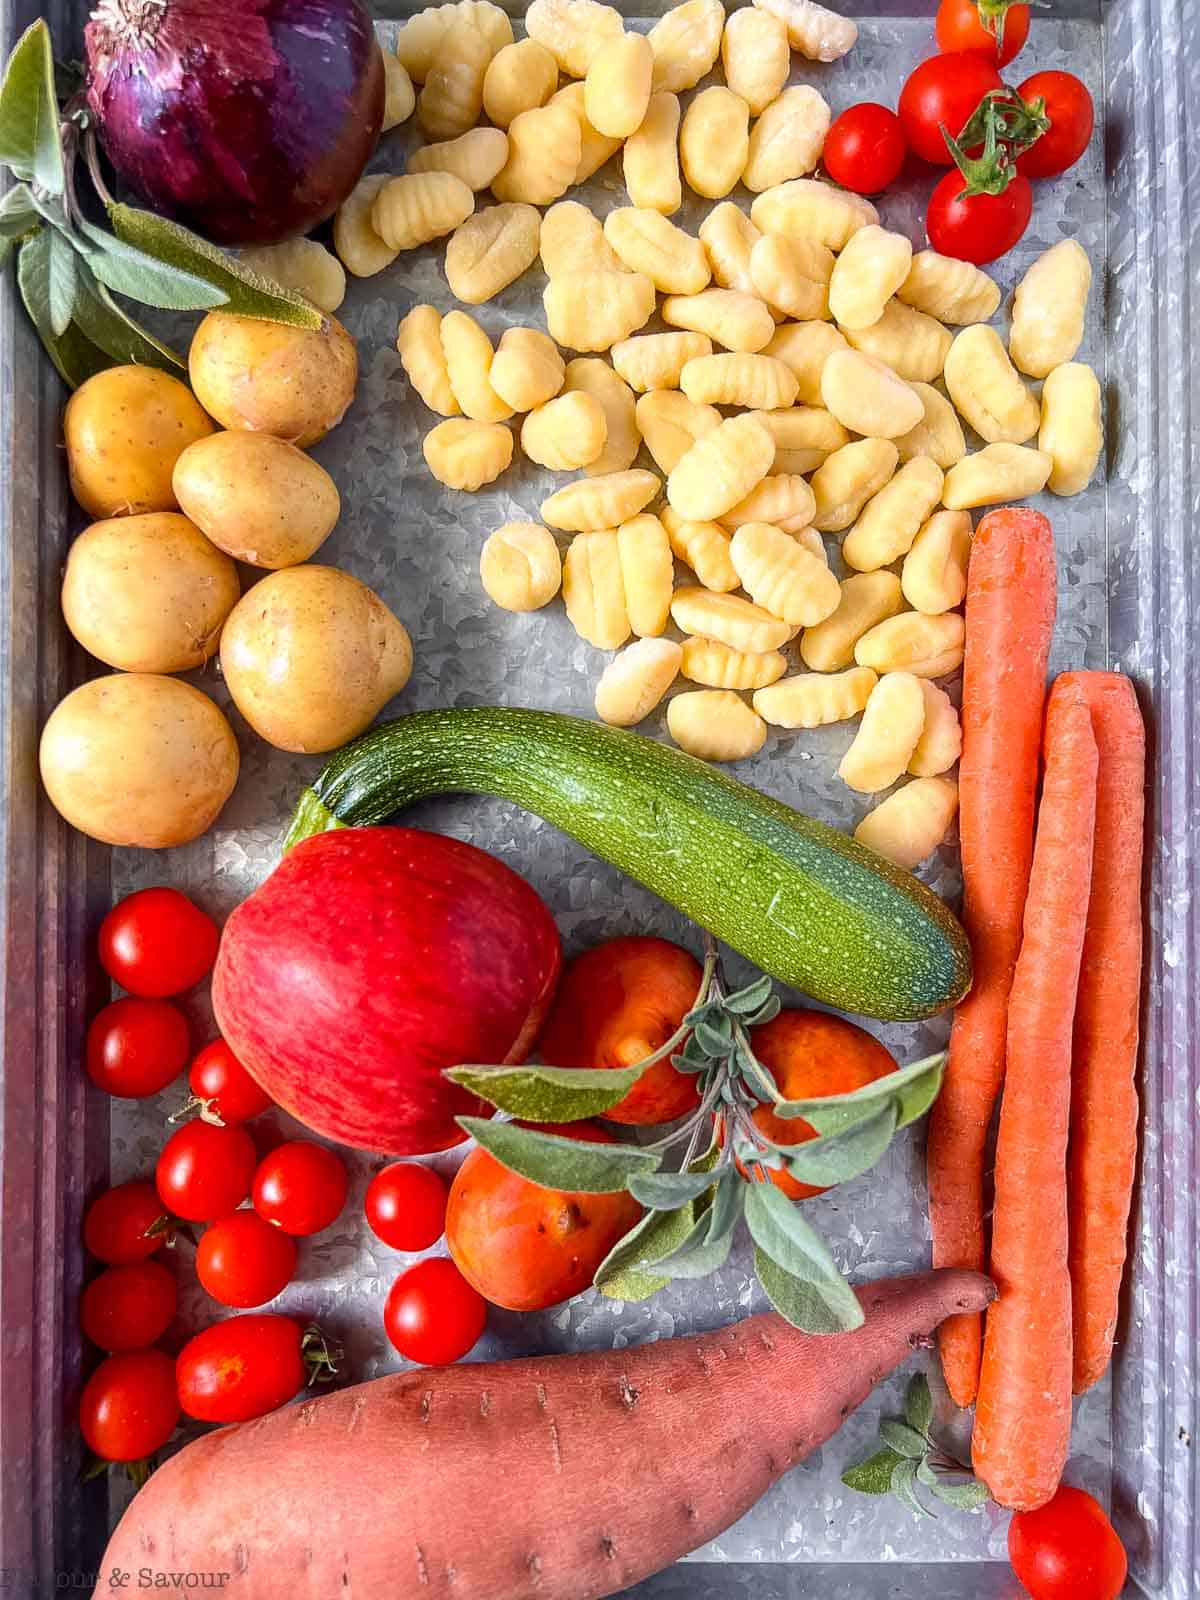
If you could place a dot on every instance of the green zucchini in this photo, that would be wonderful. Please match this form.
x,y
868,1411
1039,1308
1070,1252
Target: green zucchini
x,y
802,901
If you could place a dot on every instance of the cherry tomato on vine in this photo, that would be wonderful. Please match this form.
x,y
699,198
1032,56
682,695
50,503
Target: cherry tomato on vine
x,y
243,1261
943,90
406,1206
977,227
116,1226
157,943
994,29
226,1091
433,1315
137,1047
129,1406
242,1368
300,1187
865,148
1067,1550
205,1172
1072,118
128,1307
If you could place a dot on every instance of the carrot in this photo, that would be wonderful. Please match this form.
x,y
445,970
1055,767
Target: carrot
x,y
1023,1413
1010,619
556,1478
1104,1103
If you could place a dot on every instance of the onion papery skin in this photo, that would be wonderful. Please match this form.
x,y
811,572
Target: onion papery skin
x,y
249,121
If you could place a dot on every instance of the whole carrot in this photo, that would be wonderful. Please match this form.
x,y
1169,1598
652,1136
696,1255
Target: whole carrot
x,y
1023,1413
1010,618
1104,1102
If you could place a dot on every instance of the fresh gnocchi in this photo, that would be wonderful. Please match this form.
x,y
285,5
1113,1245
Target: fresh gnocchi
x,y
595,310
736,378
909,825
939,433
646,241
305,267
703,546
714,141
685,41
634,682
737,321
848,478
792,276
566,433
756,56
948,289
424,361
867,397
806,347
940,744
623,440
913,345
648,573
997,473
804,208
928,647
815,699
716,666
934,575
520,566
475,156
414,209
399,96
729,237
739,623
520,77
656,360
1049,308
1071,432
891,725
593,591
986,389
465,454
865,598
781,576
595,148
787,139
601,502
617,90
715,725
891,520
651,157
804,437
544,147
814,30
573,31
670,424
572,240
784,500
873,265
468,352
360,249
452,98
490,250
527,369
720,469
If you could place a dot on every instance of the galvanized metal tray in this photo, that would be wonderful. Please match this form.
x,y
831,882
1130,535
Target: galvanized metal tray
x,y
1130,585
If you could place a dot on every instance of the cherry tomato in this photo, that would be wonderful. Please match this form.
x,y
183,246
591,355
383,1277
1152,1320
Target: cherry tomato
x,y
960,25
243,1261
137,1047
977,227
943,90
129,1406
129,1307
300,1187
1072,118
865,148
205,1172
225,1089
241,1368
432,1313
1067,1550
157,943
116,1227
406,1206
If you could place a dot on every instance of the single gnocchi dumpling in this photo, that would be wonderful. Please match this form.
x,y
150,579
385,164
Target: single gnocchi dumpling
x,y
736,378
595,310
422,36
1049,308
928,647
593,591
634,682
805,208
572,240
986,389
595,148
787,140
651,157
715,725
729,237
703,546
573,31
865,598
891,520
543,153
464,454
995,474
452,99
602,502
520,566
756,56
780,575
527,369
645,241
715,665
359,247
814,30
816,699
792,276
714,141
940,744
685,41
1072,433
670,424
648,572
305,267
595,377
909,825
784,500
720,469
475,156
848,478
414,209
491,249
399,96
424,361
913,345
939,433
739,623
737,321
806,347
887,736
867,397
617,91
804,437
934,575
948,289
868,272
468,352
656,360
566,433
520,77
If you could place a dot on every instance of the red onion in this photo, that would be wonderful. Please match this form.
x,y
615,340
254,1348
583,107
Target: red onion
x,y
248,120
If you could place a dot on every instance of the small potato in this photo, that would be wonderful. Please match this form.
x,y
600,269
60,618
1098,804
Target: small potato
x,y
400,98
934,575
782,577
913,345
257,498
265,377
595,148
867,397
589,375
490,250
419,207
135,759
869,270
756,56
573,240
928,647
125,429
475,157
720,469
648,573
656,360
737,378
714,141
305,267
520,566
1072,432
593,590
148,593
739,623
715,725
544,147
685,41
889,523
997,473
419,342
617,88
520,77
940,744
595,310
804,208
598,503
647,242
815,699
784,500
804,437
847,479
729,237
703,546
787,140
465,454
738,321
887,736
792,276
805,347
986,389
566,433
359,247
866,598
527,369
634,682
939,433
311,656
909,825
651,158
715,665
670,425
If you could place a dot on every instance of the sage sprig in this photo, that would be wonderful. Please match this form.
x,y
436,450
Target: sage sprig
x,y
694,1207
908,1455
69,268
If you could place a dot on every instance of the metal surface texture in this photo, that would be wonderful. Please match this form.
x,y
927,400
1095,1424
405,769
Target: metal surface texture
x,y
1130,597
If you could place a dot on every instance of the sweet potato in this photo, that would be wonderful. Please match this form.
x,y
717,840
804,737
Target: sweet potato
x,y
556,1478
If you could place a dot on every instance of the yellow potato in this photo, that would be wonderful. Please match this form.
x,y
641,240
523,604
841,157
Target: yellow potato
x,y
311,655
125,429
148,593
265,377
137,759
257,497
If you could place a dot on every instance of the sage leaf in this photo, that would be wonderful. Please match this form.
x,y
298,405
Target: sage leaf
x,y
248,293
627,1271
557,1162
750,999
905,1441
904,1478
874,1475
799,1302
132,272
60,283
841,1156
75,357
30,143
663,1191
836,1112
115,332
714,1036
918,1404
705,1246
766,1013
807,1274
548,1094
925,1473
18,212
966,1495
918,1095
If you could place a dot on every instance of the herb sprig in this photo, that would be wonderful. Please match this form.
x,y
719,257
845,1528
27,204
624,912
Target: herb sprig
x,y
908,1456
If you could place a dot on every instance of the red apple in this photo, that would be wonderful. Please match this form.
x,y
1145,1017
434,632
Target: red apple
x,y
368,961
